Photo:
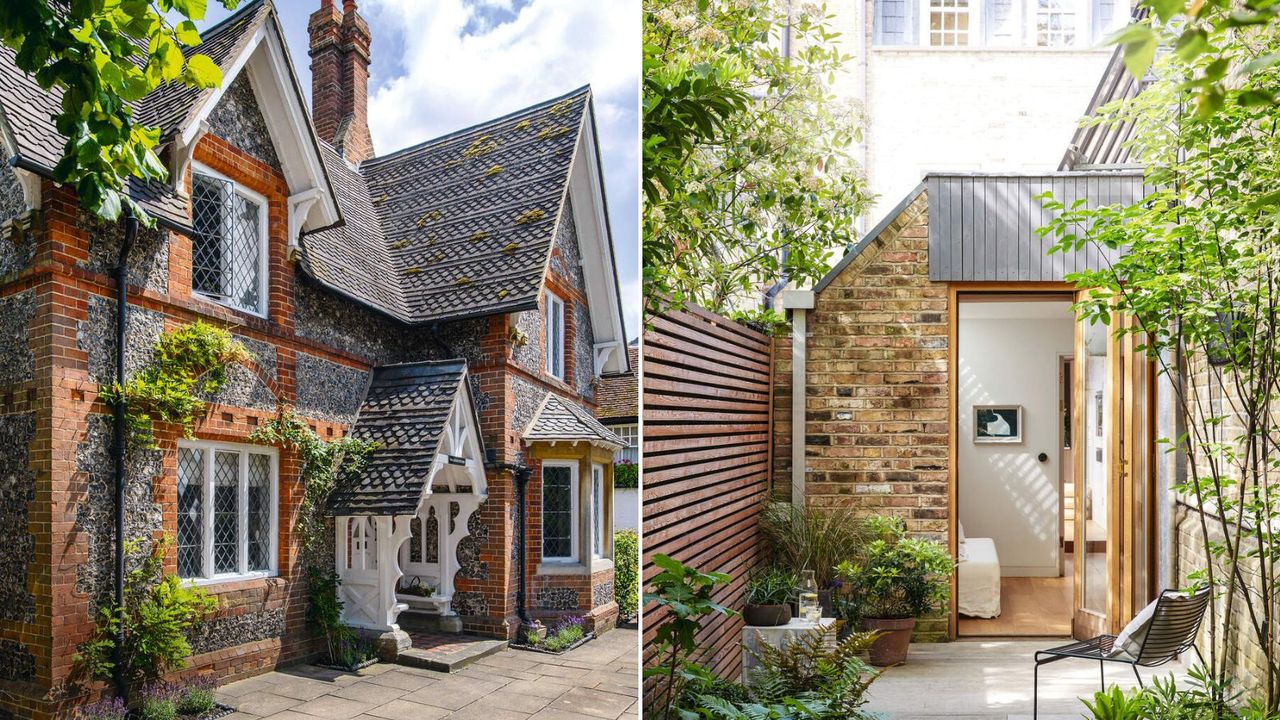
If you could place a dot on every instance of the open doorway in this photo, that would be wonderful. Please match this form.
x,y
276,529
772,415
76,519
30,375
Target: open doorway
x,y
1015,490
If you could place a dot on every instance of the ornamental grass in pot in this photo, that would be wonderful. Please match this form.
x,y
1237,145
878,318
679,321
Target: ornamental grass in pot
x,y
811,538
895,580
770,591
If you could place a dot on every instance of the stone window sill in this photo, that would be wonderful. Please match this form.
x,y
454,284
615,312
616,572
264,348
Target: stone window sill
x,y
574,568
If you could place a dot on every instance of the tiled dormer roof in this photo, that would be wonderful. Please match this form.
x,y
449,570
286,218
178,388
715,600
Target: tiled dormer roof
x,y
405,411
559,420
455,227
28,110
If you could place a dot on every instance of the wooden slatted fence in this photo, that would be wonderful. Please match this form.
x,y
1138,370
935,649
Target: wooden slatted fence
x,y
707,401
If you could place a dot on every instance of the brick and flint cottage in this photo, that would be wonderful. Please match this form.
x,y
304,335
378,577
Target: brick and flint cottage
x,y
456,301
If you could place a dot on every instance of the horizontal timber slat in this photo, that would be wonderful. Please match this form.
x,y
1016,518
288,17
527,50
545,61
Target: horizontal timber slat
x,y
707,422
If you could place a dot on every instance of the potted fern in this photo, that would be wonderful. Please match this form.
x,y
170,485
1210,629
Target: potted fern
x,y
770,591
895,580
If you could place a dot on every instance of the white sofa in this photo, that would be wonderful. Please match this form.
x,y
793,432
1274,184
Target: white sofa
x,y
978,578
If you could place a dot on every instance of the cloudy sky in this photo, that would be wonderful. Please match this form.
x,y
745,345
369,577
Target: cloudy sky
x,y
442,65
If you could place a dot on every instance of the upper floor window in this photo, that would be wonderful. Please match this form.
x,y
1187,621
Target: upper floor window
x,y
554,332
226,511
996,23
229,251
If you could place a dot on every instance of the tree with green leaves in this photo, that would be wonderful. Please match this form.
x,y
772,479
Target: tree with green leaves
x,y
105,55
1232,37
1196,285
748,174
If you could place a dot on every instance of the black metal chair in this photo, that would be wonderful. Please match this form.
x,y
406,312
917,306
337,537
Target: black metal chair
x,y
1173,629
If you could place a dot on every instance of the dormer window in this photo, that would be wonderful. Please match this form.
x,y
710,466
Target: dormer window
x,y
229,250
554,332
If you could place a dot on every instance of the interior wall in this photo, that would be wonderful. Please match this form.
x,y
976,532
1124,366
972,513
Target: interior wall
x,y
1008,355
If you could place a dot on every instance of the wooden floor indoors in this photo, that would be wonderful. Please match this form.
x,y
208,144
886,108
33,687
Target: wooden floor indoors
x,y
1029,607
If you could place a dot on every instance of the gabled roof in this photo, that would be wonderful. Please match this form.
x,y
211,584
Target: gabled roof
x,y
251,32
559,420
456,227
407,411
617,396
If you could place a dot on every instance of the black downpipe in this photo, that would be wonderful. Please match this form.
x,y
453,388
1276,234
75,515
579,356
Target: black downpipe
x,y
520,476
122,319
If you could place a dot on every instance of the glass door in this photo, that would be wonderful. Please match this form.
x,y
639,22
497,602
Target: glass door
x,y
1113,466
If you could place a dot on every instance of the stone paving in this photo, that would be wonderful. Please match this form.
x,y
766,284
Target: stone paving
x,y
992,680
598,681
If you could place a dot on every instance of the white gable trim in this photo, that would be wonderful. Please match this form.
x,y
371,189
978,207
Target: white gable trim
x,y
265,58
595,248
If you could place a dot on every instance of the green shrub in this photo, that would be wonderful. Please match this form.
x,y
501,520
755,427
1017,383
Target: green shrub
x,y
196,698
159,611
626,573
771,585
894,576
626,474
810,538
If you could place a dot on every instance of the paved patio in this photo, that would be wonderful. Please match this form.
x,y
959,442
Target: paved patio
x,y
991,680
598,681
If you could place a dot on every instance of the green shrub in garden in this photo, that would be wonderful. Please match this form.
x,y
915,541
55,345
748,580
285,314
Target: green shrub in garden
x,y
626,573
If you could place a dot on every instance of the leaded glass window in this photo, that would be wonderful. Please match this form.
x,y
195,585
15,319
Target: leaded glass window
x,y
553,327
226,511
597,510
559,501
190,512
227,253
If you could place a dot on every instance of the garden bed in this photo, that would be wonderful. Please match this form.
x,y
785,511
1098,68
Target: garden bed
x,y
548,651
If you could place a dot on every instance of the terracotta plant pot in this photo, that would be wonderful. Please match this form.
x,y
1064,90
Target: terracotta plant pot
x,y
890,648
767,615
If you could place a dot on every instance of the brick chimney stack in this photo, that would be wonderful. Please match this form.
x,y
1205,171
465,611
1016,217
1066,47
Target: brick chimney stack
x,y
340,42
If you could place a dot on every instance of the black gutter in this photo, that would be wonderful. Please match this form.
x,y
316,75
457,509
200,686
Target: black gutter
x,y
122,318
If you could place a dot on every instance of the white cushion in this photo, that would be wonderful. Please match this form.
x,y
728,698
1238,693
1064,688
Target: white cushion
x,y
1129,642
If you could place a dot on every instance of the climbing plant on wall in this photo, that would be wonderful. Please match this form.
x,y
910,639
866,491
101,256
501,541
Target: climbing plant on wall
x,y
188,361
324,463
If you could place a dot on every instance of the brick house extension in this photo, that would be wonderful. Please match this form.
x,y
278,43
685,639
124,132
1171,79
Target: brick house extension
x,y
456,300
925,324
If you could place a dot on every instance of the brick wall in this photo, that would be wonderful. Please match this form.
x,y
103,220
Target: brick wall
x,y
877,395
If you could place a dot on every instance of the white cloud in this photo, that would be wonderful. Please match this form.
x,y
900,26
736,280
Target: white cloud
x,y
459,63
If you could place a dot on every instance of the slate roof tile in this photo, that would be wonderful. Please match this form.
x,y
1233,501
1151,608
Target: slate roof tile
x,y
560,420
405,411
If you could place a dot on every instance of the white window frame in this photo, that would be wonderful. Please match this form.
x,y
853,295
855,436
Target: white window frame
x,y
1024,16
263,242
575,516
599,521
631,434
208,448
554,333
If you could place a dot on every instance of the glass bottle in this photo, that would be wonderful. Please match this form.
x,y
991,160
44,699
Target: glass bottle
x,y
809,608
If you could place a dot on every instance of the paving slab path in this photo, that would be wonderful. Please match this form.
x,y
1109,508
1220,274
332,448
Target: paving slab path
x,y
992,680
598,681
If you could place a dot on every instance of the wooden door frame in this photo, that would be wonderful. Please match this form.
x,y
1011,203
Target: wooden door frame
x,y
1015,291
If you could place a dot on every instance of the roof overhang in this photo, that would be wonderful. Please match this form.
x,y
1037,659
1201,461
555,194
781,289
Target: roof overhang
x,y
265,58
595,246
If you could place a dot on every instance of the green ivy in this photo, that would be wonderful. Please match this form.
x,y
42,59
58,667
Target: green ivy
x,y
324,463
189,360
626,474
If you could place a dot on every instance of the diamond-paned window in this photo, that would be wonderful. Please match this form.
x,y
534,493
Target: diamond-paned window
x,y
226,511
559,501
553,332
190,517
227,252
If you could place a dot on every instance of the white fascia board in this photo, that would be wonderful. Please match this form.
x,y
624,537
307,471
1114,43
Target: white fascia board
x,y
271,76
595,247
